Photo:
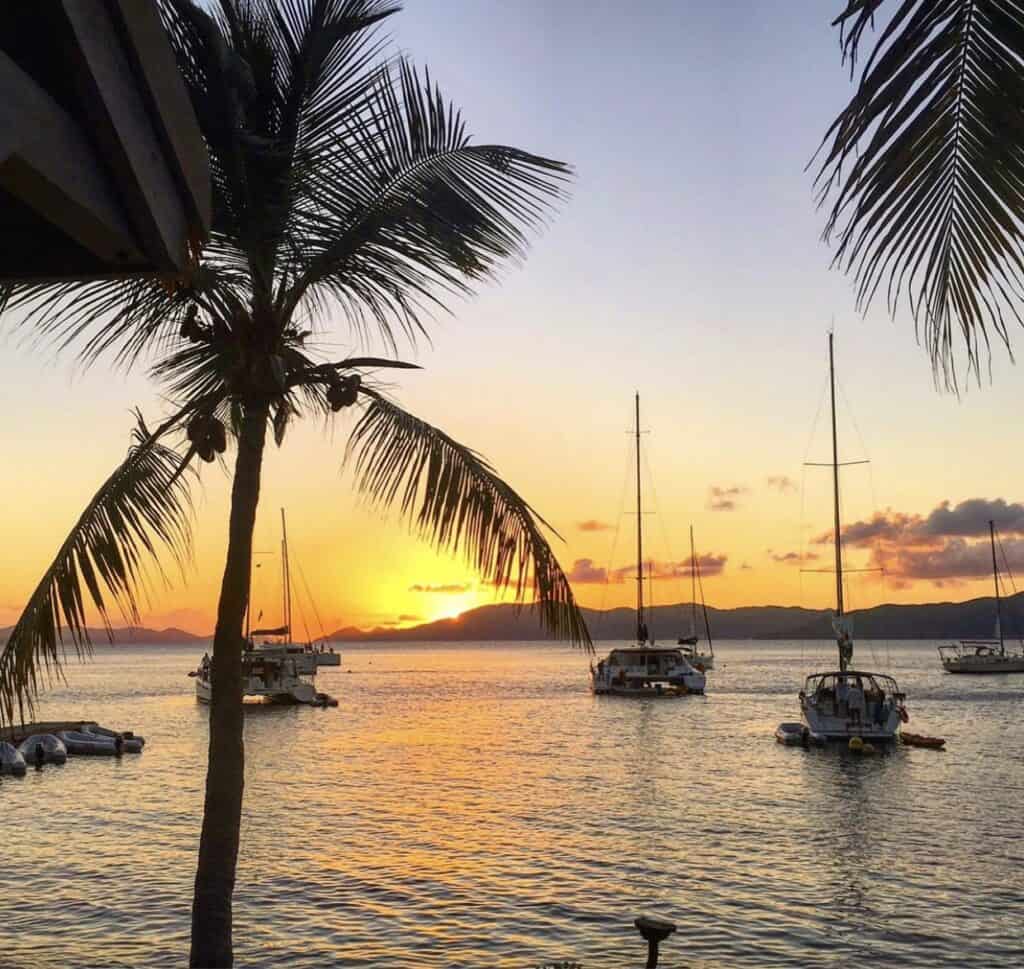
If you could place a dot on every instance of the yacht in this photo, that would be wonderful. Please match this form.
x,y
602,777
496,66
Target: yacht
x,y
848,702
984,655
273,666
644,669
700,659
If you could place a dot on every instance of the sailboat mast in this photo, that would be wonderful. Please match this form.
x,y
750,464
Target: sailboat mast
x,y
835,497
641,632
995,579
693,586
286,576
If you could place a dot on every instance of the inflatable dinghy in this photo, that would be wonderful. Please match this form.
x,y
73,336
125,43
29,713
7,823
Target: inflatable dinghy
x,y
131,743
80,743
11,761
53,749
797,735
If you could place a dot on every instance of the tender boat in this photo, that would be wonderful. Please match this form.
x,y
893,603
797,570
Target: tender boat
x,y
276,669
97,741
11,760
700,659
847,703
644,669
984,655
797,735
919,740
51,746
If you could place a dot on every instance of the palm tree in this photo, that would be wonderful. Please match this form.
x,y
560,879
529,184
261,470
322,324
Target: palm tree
x,y
344,187
924,169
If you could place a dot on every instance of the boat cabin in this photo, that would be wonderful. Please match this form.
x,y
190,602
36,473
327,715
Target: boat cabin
x,y
853,695
646,669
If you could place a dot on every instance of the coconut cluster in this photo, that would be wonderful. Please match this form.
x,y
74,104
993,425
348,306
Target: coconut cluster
x,y
344,391
208,436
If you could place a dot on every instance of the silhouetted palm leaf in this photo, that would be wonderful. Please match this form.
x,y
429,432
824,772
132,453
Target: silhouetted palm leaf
x,y
453,498
925,169
143,505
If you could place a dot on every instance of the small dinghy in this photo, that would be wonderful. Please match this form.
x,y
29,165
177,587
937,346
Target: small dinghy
x,y
80,743
130,744
919,740
11,761
797,735
43,748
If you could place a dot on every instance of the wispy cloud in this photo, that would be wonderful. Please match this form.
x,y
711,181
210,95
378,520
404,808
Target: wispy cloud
x,y
454,588
724,497
584,572
781,483
593,525
792,558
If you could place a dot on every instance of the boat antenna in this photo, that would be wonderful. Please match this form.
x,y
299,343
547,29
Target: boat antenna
x,y
995,577
286,576
845,647
641,627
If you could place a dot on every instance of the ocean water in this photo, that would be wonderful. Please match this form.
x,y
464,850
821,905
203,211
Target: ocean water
x,y
475,806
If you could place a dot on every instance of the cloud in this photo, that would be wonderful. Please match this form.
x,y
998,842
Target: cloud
x,y
407,617
708,563
593,525
782,483
746,567
454,588
792,558
583,572
948,546
956,558
724,498
971,517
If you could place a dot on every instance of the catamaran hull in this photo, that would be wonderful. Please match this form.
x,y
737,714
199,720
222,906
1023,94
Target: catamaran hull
x,y
299,693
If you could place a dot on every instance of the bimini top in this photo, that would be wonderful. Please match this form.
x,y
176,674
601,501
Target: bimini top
x,y
829,680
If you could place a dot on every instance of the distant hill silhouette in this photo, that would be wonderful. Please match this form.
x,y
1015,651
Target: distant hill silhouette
x,y
135,636
942,620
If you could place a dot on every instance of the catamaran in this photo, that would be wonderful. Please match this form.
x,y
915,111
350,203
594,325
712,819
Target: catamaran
x,y
846,703
276,668
984,655
701,660
644,668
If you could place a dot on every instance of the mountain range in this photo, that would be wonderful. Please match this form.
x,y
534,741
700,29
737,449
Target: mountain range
x,y
942,620
972,619
136,636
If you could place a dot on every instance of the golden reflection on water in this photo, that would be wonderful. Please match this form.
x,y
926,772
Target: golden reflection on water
x,y
476,806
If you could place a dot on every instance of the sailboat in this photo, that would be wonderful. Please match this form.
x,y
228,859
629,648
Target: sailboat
x,y
696,657
643,668
984,655
846,703
276,669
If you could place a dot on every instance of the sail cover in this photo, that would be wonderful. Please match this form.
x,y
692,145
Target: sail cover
x,y
279,631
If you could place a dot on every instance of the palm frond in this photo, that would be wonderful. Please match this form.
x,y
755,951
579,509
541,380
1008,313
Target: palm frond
x,y
924,170
407,208
453,497
144,504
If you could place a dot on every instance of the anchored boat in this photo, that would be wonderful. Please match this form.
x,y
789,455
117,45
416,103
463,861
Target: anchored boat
x,y
845,703
275,668
644,669
700,659
984,655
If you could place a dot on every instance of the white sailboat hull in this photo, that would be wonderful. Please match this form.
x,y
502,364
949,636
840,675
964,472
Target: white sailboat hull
x,y
983,664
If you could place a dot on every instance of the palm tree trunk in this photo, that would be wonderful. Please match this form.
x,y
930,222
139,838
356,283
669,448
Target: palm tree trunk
x,y
225,775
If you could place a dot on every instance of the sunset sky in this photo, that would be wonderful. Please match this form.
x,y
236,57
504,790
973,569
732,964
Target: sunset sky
x,y
687,266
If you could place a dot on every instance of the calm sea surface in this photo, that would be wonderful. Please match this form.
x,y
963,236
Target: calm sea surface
x,y
475,806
